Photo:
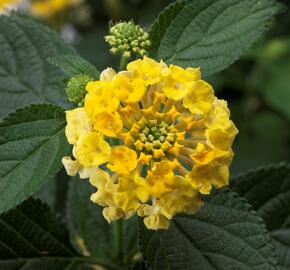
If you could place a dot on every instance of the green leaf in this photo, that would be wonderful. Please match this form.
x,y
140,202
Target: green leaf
x,y
26,76
90,232
159,27
224,234
32,238
281,240
32,144
210,34
268,190
74,65
47,193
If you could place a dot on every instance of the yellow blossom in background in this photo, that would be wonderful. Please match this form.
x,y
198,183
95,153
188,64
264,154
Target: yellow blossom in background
x,y
48,8
41,8
6,3
151,139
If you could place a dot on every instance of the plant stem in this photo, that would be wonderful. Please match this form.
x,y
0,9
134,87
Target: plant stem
x,y
119,240
95,261
123,62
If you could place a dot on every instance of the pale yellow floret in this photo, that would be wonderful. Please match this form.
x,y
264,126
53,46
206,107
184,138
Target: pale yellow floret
x,y
108,74
92,150
78,123
154,219
73,167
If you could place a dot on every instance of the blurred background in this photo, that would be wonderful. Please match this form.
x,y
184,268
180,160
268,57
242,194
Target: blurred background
x,y
257,87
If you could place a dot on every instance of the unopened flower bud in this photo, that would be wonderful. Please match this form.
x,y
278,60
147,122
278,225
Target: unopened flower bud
x,y
76,88
128,38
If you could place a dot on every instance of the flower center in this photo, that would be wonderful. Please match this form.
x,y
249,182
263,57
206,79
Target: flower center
x,y
155,135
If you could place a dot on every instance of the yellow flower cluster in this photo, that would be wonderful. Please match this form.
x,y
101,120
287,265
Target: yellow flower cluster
x,y
151,139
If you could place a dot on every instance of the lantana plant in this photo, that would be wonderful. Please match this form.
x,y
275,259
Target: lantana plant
x,y
146,147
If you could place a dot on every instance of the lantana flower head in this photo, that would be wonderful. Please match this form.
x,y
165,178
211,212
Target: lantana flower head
x,y
151,139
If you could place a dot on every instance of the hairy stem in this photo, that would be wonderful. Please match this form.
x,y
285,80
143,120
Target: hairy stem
x,y
119,240
123,62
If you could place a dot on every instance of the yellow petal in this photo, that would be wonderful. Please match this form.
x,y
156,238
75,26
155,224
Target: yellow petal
x,y
78,123
199,98
71,166
108,74
123,160
110,124
92,150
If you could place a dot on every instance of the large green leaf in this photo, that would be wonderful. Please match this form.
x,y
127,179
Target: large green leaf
x,y
225,234
159,28
73,65
32,144
47,193
268,190
25,74
91,233
31,238
210,34
281,240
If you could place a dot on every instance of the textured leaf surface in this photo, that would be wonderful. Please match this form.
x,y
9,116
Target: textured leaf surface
x,y
73,65
268,190
159,28
47,193
31,239
210,34
32,144
90,232
25,74
225,234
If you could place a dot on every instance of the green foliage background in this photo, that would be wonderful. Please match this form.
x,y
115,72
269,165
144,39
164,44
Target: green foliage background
x,y
246,226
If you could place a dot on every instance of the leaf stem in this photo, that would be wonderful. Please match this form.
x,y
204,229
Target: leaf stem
x,y
119,240
96,261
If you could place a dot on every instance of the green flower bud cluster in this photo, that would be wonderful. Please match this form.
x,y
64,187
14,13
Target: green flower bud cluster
x,y
76,89
128,38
